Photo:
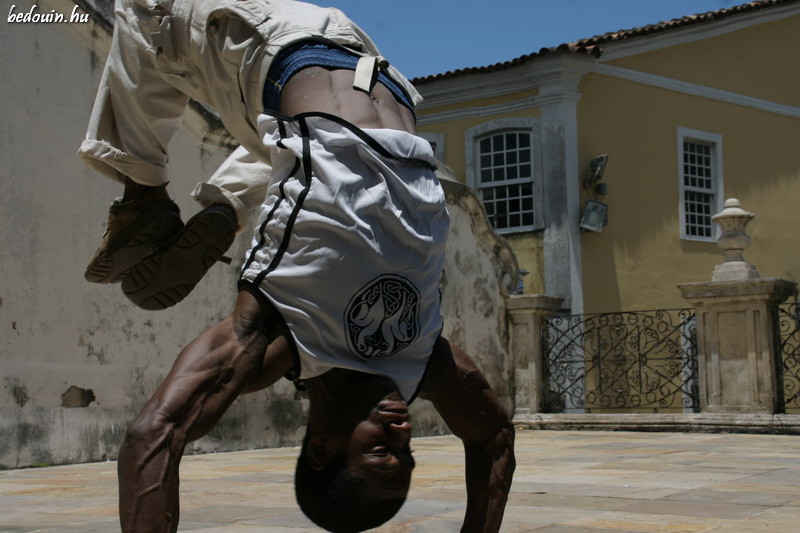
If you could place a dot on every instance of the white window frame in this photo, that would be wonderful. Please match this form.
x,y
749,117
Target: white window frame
x,y
522,124
437,142
715,140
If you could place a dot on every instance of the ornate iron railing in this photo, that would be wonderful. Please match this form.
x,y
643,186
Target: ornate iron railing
x,y
788,339
633,361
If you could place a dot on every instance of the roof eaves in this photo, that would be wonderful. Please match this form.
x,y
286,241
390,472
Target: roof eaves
x,y
565,48
592,45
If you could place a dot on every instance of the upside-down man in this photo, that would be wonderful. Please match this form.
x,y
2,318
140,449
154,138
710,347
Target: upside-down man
x,y
340,290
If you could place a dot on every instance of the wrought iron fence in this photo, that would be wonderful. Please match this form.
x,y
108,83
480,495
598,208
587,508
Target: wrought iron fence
x,y
633,361
788,338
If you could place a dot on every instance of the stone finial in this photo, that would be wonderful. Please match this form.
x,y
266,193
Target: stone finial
x,y
732,221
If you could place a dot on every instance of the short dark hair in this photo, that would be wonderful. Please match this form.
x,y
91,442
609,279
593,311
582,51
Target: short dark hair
x,y
337,499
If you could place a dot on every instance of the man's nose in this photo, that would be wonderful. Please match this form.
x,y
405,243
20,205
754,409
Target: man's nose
x,y
400,431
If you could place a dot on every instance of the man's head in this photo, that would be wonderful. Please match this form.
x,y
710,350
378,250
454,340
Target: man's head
x,y
354,469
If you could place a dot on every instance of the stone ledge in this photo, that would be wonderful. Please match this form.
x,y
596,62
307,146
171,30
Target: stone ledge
x,y
522,303
767,289
699,422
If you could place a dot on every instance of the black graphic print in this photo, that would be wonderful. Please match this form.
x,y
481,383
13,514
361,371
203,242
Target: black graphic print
x,y
383,317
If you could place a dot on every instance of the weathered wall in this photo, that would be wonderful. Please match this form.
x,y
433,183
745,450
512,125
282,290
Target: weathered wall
x,y
78,360
480,271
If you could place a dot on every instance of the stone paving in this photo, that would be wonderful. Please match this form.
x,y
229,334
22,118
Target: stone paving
x,y
566,482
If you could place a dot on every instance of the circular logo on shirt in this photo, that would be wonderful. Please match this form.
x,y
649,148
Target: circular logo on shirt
x,y
382,318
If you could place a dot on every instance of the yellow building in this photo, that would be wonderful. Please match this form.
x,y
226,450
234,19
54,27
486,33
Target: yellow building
x,y
690,112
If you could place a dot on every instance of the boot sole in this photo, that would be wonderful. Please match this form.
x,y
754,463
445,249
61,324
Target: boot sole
x,y
167,277
112,267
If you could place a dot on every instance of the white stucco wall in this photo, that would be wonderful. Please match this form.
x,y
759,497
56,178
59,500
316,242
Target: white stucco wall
x,y
63,340
56,330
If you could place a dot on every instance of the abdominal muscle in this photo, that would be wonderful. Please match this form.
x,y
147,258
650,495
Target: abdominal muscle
x,y
316,89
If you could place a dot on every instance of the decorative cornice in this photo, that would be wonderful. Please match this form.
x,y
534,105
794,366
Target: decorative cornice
x,y
479,111
562,70
559,98
635,76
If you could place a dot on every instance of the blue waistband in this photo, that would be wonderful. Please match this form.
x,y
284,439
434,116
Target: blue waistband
x,y
294,58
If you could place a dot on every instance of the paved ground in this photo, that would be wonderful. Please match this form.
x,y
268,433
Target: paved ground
x,y
566,482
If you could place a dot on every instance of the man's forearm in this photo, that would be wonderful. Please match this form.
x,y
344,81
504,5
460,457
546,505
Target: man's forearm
x,y
462,395
489,470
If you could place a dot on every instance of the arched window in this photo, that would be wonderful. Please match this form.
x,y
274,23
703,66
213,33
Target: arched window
x,y
505,172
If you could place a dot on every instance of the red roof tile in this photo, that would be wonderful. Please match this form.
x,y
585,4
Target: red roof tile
x,y
591,46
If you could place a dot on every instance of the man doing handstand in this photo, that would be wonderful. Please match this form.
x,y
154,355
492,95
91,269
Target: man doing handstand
x,y
340,288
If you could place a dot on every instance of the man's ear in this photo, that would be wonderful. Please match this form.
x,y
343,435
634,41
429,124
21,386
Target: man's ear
x,y
319,452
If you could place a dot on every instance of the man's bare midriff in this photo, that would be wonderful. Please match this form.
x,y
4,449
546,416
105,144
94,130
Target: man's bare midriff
x,y
316,89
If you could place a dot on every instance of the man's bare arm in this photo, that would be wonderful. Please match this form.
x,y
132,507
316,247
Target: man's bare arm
x,y
469,406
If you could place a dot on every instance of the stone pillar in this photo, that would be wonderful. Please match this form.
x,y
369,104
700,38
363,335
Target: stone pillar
x,y
738,365
525,314
557,78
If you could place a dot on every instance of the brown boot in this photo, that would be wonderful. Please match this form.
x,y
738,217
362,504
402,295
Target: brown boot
x,y
169,275
135,230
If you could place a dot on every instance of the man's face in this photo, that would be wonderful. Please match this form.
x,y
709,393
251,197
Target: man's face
x,y
379,447
364,417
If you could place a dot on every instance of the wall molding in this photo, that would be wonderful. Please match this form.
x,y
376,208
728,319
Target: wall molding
x,y
477,85
644,78
703,91
480,111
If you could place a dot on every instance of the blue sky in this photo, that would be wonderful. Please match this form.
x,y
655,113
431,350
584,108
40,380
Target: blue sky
x,y
424,37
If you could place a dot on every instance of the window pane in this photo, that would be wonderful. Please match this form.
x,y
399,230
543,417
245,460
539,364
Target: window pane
x,y
500,207
497,143
527,189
